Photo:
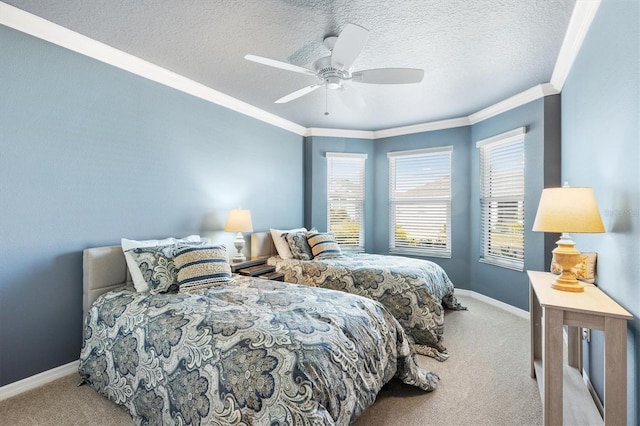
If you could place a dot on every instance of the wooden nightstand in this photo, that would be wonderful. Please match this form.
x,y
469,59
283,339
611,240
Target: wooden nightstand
x,y
257,268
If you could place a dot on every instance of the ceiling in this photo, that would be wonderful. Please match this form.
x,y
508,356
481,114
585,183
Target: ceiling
x,y
475,53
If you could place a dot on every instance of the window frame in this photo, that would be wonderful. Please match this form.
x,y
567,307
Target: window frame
x,y
357,202
505,147
419,200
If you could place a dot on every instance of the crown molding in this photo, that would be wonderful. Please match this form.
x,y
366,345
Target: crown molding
x,y
41,28
583,13
423,127
340,133
581,19
536,92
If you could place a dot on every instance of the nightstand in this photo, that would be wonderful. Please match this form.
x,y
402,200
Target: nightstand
x,y
257,268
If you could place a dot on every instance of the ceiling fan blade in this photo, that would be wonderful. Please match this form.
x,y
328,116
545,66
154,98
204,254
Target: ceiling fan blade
x,y
298,93
389,76
279,64
350,43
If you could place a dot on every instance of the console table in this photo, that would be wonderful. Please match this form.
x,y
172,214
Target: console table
x,y
549,311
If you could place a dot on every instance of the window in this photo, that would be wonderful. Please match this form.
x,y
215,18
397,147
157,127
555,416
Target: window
x,y
420,202
502,199
345,199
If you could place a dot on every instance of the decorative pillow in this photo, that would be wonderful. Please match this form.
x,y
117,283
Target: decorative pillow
x,y
202,267
298,245
136,275
585,270
323,245
155,266
281,243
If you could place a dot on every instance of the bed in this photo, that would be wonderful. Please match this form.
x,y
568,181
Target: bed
x,y
415,291
247,352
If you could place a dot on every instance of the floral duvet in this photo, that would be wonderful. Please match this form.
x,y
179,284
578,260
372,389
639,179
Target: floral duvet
x,y
251,352
413,290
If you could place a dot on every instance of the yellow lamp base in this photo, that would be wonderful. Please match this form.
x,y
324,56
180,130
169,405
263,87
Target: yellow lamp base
x,y
568,284
567,257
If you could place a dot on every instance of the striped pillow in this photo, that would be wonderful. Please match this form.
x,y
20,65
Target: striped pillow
x,y
323,246
202,267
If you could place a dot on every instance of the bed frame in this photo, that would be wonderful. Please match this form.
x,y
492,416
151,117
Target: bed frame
x,y
262,245
105,268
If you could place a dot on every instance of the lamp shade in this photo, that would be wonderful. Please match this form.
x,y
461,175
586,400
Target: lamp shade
x,y
239,221
568,209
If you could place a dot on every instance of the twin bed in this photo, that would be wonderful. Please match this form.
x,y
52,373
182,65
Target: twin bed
x,y
252,351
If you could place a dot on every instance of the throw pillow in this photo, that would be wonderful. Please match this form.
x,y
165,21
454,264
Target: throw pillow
x,y
298,245
136,275
202,267
155,267
281,243
323,245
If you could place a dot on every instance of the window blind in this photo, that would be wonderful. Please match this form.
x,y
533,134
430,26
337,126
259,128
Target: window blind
x,y
502,187
420,202
345,199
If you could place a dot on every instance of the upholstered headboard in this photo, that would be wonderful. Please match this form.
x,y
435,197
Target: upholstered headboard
x,y
262,245
103,269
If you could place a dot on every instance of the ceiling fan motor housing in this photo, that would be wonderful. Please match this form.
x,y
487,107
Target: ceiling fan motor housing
x,y
331,76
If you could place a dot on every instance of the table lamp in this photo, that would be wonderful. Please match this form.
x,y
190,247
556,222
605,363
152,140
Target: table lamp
x,y
566,210
239,221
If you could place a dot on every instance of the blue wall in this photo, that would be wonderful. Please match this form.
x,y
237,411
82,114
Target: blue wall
x,y
89,154
601,149
458,266
542,152
315,166
542,160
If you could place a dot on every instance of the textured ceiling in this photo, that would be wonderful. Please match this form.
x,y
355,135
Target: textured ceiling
x,y
474,52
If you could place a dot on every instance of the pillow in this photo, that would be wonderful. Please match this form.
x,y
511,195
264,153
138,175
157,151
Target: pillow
x,y
585,270
281,243
298,245
155,267
136,275
323,245
202,267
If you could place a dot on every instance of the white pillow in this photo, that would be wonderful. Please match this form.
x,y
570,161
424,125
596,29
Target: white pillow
x,y
281,243
136,275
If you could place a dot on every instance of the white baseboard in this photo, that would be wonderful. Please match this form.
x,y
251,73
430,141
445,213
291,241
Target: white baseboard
x,y
592,391
45,377
498,304
24,385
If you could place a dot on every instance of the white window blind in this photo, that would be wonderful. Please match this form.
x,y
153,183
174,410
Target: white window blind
x,y
420,202
345,199
502,167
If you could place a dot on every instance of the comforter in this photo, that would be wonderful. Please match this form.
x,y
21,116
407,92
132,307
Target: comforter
x,y
251,352
415,291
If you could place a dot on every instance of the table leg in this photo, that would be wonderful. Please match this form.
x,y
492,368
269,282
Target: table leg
x,y
574,347
615,371
552,366
535,316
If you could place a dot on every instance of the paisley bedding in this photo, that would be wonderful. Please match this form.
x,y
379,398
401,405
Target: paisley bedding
x,y
250,352
415,291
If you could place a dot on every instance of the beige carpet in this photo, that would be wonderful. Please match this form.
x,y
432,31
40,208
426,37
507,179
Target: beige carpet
x,y
484,382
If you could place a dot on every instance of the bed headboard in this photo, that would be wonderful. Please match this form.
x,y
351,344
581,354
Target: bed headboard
x,y
262,245
103,269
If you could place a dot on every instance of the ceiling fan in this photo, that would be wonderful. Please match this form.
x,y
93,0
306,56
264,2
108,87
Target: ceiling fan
x,y
334,70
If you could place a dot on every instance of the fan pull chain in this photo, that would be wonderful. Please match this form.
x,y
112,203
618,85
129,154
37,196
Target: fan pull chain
x,y
326,99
